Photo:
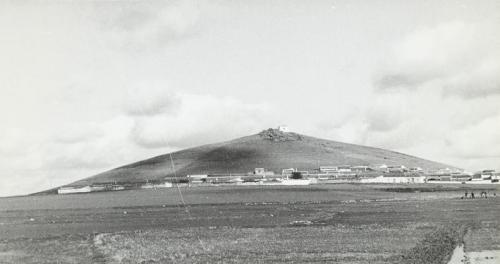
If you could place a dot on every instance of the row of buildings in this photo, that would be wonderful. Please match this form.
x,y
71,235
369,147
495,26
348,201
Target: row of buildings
x,y
364,174
292,176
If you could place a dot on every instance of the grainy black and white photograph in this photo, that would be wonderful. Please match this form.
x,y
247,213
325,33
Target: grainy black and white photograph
x,y
250,131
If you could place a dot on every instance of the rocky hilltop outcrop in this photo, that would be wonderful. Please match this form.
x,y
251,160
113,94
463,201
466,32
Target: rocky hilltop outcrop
x,y
277,135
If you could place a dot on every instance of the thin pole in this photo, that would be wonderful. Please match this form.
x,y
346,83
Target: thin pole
x,y
182,199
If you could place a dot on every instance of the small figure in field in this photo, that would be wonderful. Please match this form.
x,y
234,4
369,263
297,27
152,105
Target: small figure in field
x,y
472,195
466,193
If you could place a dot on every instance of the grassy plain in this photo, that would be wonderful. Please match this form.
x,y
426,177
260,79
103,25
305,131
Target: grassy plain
x,y
266,224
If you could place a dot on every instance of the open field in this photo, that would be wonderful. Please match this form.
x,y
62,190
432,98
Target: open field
x,y
263,224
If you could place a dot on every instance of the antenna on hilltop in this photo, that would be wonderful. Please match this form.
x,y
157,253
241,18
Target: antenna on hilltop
x,y
283,128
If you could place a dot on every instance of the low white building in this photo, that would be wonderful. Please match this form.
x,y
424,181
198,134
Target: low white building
x,y
289,171
360,168
398,168
416,169
117,187
157,185
344,168
259,171
382,179
487,174
197,178
297,181
98,188
379,167
328,169
495,177
70,189
165,185
323,176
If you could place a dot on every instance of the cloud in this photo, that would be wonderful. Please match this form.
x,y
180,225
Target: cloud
x,y
77,132
150,99
419,122
162,117
198,119
67,153
153,24
482,81
382,115
478,141
455,59
437,95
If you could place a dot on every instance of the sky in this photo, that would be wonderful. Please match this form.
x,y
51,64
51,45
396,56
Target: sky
x,y
87,86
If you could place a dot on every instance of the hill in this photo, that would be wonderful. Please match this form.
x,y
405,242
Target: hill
x,y
270,149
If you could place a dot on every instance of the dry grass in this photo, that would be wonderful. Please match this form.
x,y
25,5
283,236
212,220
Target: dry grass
x,y
367,244
342,224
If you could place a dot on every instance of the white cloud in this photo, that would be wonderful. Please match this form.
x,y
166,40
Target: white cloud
x,y
453,58
481,81
198,119
438,95
146,99
138,25
67,153
479,141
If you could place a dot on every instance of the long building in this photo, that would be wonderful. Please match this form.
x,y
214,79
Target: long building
x,y
74,189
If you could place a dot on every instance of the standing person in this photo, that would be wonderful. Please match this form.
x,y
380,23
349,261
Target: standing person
x,y
466,193
472,195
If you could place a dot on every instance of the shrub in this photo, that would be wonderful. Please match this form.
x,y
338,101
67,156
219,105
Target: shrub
x,y
436,247
296,175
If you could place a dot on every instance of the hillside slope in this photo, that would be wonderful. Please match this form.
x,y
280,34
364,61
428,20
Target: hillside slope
x,y
270,149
